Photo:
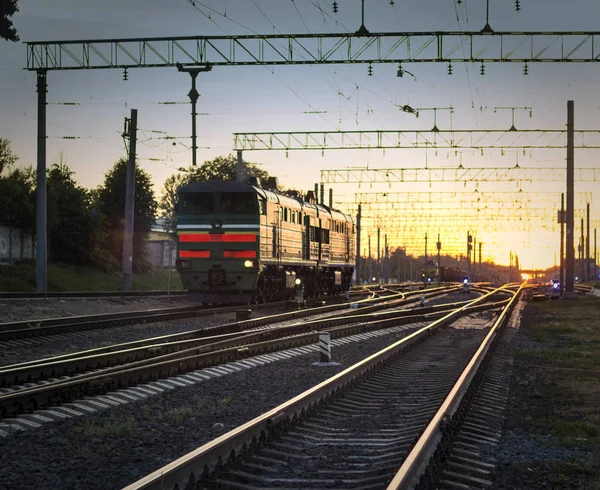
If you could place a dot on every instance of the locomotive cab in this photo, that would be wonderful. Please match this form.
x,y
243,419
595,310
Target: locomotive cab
x,y
218,247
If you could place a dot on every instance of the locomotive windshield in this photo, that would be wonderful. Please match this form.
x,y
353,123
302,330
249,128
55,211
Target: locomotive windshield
x,y
196,203
218,202
238,203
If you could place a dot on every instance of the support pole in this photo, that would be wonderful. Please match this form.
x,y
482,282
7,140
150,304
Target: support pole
x,y
386,272
587,245
331,198
239,169
425,265
193,95
370,264
595,257
41,256
378,255
570,252
581,254
562,243
439,265
322,199
129,205
358,215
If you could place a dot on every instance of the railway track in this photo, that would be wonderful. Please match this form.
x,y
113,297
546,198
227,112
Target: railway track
x,y
52,326
109,368
353,430
104,294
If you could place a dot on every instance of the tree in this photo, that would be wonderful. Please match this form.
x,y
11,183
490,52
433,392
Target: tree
x,y
16,190
7,157
111,203
224,168
221,168
7,9
168,199
75,234
17,198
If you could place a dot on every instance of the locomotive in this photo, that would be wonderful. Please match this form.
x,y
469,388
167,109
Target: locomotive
x,y
242,243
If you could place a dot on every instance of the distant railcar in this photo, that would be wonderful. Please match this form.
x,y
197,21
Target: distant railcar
x,y
452,274
240,243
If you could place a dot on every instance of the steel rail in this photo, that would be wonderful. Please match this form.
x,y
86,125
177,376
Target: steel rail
x,y
87,294
50,326
140,355
199,463
165,366
416,462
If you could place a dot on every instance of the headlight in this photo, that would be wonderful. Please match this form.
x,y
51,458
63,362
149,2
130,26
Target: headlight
x,y
250,263
298,281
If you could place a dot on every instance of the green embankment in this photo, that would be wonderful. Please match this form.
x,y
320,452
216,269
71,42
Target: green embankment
x,y
21,278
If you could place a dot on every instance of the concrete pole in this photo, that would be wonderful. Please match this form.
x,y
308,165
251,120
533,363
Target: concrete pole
x,y
595,257
386,272
570,253
562,243
370,263
358,215
581,254
587,245
129,205
439,261
41,256
378,255
239,169
425,264
322,199
331,198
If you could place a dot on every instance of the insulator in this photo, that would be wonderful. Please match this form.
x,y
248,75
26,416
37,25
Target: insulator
x,y
525,69
370,70
517,5
400,71
125,75
449,68
482,69
335,7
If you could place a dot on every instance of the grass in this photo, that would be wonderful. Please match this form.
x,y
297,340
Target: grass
x,y
21,278
109,428
559,388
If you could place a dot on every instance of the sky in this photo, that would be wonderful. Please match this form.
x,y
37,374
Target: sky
x,y
320,98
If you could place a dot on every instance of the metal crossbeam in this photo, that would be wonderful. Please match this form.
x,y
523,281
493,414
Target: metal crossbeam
x,y
327,48
465,196
489,174
412,139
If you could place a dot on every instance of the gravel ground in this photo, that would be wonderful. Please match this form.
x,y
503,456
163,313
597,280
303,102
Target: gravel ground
x,y
13,310
116,447
526,458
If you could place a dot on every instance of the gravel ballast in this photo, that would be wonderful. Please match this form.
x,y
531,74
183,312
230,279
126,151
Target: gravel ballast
x,y
116,447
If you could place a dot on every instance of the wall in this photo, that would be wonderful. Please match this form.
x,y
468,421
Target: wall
x,y
15,244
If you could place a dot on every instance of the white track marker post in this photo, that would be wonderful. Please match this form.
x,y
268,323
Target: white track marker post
x,y
325,347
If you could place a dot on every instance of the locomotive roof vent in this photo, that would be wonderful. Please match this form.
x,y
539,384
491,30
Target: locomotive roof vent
x,y
272,183
310,197
254,180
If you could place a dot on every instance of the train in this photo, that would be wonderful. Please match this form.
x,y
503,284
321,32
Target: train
x,y
452,274
244,243
431,272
